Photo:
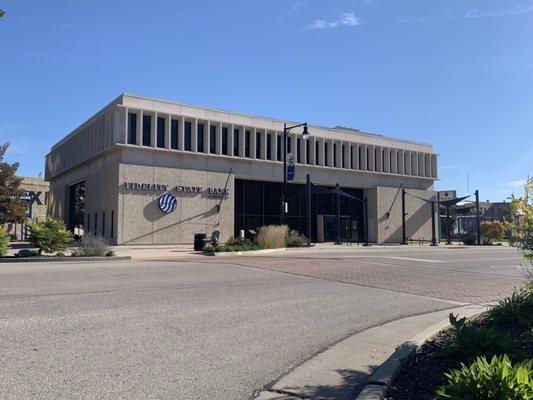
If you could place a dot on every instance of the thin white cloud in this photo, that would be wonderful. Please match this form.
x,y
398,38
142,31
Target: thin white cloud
x,y
297,5
345,19
517,183
473,13
450,167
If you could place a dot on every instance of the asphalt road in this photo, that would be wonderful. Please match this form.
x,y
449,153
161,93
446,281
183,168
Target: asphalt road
x,y
169,330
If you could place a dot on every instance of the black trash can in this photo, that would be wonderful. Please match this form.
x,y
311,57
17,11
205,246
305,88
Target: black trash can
x,y
199,241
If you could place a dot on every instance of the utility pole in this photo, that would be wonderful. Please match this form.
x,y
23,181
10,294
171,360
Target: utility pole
x,y
404,241
478,222
308,210
365,221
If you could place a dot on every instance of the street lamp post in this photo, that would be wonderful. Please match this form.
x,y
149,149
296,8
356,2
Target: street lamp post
x,y
305,136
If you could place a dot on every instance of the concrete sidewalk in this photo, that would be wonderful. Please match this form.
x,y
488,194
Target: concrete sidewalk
x,y
341,371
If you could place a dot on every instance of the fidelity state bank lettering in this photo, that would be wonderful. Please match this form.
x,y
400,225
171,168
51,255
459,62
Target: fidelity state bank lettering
x,y
212,191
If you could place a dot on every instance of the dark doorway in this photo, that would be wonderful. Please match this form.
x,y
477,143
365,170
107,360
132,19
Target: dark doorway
x,y
76,207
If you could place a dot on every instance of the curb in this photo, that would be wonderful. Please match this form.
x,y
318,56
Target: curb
x,y
247,253
379,382
61,259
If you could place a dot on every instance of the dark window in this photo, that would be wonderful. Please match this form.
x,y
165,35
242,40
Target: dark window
x,y
278,150
132,128
298,150
160,132
317,152
334,154
351,158
360,158
112,223
88,223
225,141
269,146
235,142
103,224
200,138
213,139
247,143
258,144
368,159
174,134
289,142
147,129
375,159
308,151
95,223
382,160
343,157
326,154
187,136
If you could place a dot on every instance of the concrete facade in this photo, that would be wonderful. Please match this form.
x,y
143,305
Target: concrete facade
x,y
119,145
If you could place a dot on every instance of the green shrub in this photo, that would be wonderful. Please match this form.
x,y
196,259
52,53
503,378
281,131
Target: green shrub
x,y
110,253
469,342
91,246
4,242
272,236
295,239
49,236
492,230
220,249
516,309
209,249
238,241
469,240
26,253
494,380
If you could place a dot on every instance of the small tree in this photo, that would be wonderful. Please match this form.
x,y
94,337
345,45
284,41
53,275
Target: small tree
x,y
491,230
12,208
50,235
522,209
4,242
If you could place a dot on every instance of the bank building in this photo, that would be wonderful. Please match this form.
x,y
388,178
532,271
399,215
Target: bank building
x,y
149,171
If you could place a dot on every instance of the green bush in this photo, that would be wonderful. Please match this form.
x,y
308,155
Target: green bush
x,y
91,246
492,230
516,309
209,249
469,342
49,236
494,380
4,242
110,253
238,241
26,253
469,240
295,239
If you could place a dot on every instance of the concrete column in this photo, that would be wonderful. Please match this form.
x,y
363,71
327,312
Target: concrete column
x,y
303,150
394,161
387,160
312,144
194,135
434,166
207,136
230,140
168,126
355,156
370,162
181,133
253,141
408,162
153,136
421,165
139,133
378,153
338,164
330,153
126,125
274,141
218,144
347,155
414,163
242,140
263,144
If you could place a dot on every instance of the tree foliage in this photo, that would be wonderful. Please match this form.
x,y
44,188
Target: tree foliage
x,y
492,230
4,242
12,208
50,235
522,209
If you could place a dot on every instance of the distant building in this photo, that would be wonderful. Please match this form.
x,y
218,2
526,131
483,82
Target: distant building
x,y
36,192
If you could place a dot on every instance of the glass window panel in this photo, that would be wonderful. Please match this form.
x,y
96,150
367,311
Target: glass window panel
x,y
132,128
160,132
200,138
147,129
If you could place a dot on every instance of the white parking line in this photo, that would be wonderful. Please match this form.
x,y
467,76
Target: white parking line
x,y
414,259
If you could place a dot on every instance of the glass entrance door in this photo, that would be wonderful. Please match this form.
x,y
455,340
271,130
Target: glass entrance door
x,y
348,231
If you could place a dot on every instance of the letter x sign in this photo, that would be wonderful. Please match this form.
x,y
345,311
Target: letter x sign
x,y
33,197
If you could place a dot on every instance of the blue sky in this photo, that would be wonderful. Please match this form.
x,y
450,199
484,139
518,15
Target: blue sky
x,y
455,73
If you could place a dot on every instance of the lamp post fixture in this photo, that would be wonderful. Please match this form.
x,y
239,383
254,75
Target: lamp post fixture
x,y
305,136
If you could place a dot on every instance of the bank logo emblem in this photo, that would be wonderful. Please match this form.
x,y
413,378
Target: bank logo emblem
x,y
167,203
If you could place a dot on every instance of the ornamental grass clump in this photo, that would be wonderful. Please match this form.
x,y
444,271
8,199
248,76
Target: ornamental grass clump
x,y
495,380
4,242
469,342
272,236
91,246
516,309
